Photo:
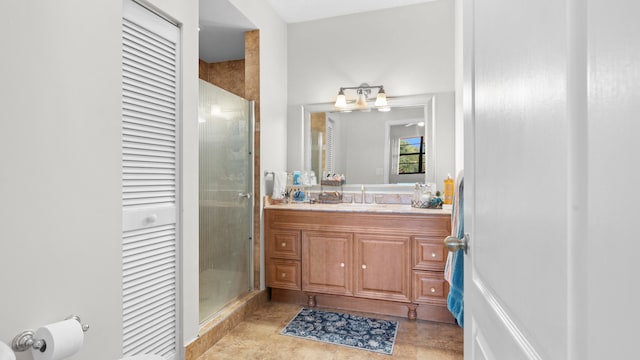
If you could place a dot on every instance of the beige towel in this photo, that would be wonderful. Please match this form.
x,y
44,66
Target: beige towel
x,y
279,184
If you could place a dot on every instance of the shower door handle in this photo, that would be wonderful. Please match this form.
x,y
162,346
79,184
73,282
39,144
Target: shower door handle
x,y
245,195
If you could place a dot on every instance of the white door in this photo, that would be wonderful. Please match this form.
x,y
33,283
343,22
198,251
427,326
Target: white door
x,y
150,97
550,95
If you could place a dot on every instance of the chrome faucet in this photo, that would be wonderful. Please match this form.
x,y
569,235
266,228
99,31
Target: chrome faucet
x,y
363,193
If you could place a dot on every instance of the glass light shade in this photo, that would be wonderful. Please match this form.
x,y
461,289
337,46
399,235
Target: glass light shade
x,y
381,99
361,102
341,100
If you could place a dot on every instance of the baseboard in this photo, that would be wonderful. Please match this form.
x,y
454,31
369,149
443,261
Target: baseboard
x,y
423,311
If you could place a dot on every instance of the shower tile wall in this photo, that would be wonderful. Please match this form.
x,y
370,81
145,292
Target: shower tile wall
x,y
228,75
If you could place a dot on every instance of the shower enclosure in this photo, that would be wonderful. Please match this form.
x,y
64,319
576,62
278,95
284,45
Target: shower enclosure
x,y
226,202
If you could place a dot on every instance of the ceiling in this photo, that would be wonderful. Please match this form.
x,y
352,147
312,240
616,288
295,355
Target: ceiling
x,y
293,11
222,26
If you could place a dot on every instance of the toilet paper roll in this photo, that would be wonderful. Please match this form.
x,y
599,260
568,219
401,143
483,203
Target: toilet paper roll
x,y
62,340
6,353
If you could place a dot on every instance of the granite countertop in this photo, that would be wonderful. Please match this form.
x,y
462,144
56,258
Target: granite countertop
x,y
348,207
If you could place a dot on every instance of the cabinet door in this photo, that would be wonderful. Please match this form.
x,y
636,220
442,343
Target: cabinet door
x,y
382,266
327,262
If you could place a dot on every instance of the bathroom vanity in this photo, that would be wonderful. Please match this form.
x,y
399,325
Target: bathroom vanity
x,y
378,258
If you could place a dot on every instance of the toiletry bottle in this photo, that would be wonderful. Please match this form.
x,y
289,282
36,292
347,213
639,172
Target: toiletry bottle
x,y
448,190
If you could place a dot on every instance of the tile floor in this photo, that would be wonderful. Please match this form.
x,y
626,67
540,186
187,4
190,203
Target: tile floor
x,y
258,338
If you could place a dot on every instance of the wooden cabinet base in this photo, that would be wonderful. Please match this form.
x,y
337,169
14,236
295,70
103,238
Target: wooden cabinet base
x,y
411,311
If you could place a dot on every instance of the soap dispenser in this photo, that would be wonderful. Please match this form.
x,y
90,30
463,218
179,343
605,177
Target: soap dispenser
x,y
448,190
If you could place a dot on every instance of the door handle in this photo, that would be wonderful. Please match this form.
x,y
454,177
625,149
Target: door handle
x,y
245,195
455,244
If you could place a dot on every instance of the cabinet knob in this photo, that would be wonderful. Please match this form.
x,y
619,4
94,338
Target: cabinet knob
x,y
284,244
284,275
341,264
433,255
364,266
433,290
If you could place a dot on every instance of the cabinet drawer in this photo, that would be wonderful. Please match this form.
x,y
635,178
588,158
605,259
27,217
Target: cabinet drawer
x,y
430,287
284,274
284,244
429,253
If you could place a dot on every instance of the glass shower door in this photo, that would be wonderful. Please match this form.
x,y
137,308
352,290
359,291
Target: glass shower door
x,y
226,162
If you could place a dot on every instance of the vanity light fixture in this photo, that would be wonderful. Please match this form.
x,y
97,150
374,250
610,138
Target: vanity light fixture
x,y
363,91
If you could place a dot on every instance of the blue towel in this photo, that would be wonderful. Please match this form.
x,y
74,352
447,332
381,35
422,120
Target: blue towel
x,y
455,300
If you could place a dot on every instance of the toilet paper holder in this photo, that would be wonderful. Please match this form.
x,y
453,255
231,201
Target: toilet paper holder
x,y
26,339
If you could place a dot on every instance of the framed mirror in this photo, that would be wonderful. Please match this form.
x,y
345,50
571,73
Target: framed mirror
x,y
411,143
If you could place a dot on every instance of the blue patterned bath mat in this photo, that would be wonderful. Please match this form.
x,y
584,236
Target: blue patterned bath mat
x,y
344,329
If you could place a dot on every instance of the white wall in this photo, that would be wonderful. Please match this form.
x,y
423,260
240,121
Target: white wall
x,y
459,86
360,147
273,89
409,50
60,177
273,81
446,147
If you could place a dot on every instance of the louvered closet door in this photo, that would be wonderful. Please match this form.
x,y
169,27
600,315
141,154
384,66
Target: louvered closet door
x,y
149,183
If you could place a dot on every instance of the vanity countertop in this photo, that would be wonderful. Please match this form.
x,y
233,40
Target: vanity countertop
x,y
370,208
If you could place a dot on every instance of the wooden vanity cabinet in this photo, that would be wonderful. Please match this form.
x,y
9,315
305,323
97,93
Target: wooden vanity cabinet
x,y
386,263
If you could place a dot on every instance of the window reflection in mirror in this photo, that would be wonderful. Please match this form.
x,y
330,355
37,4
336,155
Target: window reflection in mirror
x,y
410,159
